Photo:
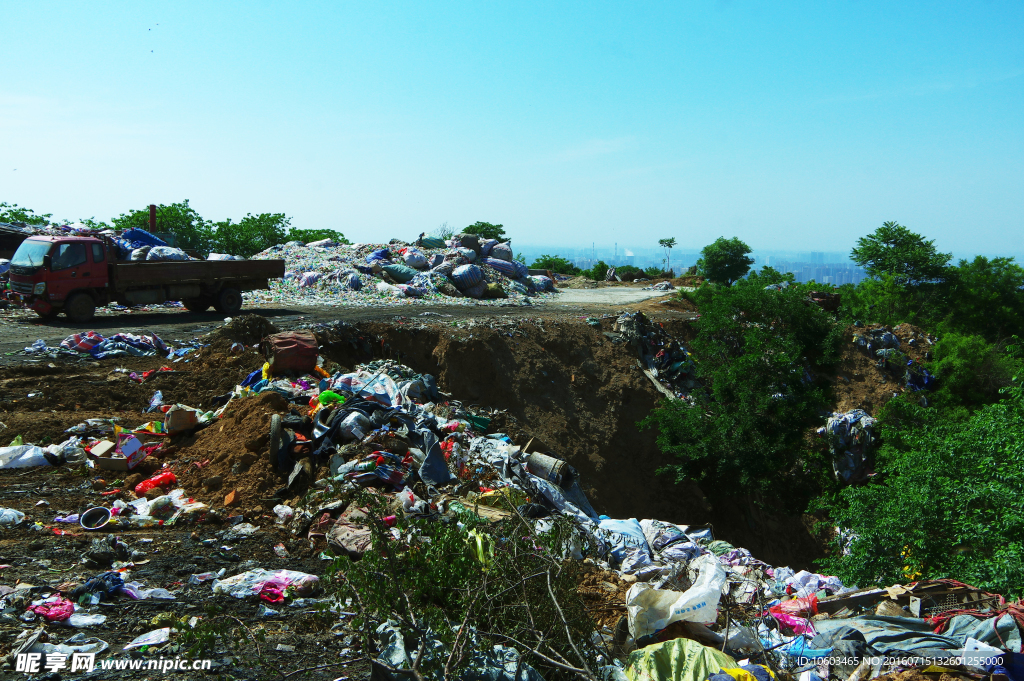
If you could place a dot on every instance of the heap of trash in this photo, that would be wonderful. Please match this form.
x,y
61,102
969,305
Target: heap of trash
x,y
465,267
697,607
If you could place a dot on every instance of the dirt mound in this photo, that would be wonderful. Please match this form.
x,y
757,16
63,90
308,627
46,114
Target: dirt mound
x,y
859,383
233,450
578,394
247,329
579,282
604,596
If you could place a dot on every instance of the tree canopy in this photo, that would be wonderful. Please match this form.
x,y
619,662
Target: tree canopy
x,y
725,261
894,250
755,349
555,263
486,230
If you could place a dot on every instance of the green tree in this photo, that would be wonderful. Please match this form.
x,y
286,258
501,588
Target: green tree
x,y
725,261
486,230
250,235
983,296
945,504
190,229
12,212
745,427
555,263
971,371
597,272
667,244
309,235
904,255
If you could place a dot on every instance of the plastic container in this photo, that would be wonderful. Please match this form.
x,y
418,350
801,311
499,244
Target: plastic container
x,y
549,468
95,518
165,480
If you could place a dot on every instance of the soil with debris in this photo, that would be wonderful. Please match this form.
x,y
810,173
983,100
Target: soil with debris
x,y
554,381
859,383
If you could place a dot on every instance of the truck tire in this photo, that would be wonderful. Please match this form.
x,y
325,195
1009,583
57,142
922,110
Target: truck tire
x,y
229,301
201,304
80,308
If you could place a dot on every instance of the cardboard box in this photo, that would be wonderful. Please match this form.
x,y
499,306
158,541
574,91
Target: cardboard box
x,y
108,458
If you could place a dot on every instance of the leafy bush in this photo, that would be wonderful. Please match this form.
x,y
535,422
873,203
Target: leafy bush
x,y
970,370
555,263
469,585
486,230
754,351
309,235
948,505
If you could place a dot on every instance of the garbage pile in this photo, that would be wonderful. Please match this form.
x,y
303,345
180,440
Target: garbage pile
x,y
664,359
387,428
696,608
430,270
851,440
882,343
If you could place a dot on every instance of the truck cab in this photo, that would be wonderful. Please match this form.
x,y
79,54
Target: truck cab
x,y
50,273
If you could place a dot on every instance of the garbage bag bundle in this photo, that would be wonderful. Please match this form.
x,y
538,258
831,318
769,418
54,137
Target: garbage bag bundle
x,y
486,246
468,253
403,274
307,279
379,254
502,251
467,276
389,290
431,242
140,253
353,282
166,253
510,268
650,610
476,290
542,283
322,243
414,258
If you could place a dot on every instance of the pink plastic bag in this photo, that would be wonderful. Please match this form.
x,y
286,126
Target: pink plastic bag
x,y
57,611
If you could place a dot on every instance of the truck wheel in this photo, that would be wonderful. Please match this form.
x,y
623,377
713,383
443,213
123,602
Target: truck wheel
x,y
201,304
80,308
229,301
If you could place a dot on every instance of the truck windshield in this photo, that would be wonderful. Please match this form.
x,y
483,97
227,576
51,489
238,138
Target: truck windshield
x,y
30,253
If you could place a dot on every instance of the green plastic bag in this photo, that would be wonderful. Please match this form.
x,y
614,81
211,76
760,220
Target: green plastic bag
x,y
677,660
400,273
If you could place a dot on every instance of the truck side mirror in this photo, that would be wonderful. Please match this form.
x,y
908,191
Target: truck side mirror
x,y
47,261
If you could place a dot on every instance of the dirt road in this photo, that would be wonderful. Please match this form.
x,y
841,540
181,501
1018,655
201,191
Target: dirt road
x,y
19,329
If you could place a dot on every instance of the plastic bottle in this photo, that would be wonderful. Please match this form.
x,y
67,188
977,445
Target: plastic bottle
x,y
165,480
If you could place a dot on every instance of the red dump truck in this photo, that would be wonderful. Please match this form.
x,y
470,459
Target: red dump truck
x,y
54,274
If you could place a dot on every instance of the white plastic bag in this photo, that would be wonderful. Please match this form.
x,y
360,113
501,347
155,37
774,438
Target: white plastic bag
x,y
651,610
22,456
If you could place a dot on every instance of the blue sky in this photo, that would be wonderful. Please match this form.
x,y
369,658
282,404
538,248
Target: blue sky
x,y
791,125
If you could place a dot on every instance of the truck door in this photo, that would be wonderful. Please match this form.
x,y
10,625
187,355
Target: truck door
x,y
69,261
95,275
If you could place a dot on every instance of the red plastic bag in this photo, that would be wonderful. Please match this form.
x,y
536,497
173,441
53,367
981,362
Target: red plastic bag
x,y
800,607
